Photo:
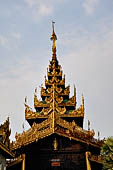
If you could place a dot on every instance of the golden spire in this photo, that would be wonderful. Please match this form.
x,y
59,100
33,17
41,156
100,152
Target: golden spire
x,y
53,38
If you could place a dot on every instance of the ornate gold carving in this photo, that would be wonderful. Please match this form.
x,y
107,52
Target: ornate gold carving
x,y
62,82
53,38
53,108
43,92
50,90
60,110
73,127
46,111
55,80
55,144
76,113
48,99
33,134
70,129
54,73
29,113
67,90
5,133
58,90
96,158
51,67
79,110
38,103
28,110
44,124
64,124
59,100
71,102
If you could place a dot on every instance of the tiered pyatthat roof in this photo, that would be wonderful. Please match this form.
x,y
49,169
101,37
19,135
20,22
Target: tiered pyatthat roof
x,y
56,112
55,95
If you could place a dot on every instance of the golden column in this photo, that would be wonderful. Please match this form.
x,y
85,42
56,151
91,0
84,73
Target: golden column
x,y
23,161
87,161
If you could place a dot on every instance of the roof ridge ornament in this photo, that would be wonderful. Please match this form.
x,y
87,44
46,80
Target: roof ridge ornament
x,y
82,103
53,38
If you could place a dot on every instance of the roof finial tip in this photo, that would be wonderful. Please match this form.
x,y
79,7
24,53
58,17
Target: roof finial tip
x,y
53,25
53,38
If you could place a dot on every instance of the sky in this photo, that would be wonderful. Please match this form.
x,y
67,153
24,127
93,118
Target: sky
x,y
84,30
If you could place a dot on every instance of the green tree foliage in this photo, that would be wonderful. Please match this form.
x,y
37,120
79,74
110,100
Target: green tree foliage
x,y
107,153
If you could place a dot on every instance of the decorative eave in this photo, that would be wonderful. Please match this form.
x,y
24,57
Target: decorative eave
x,y
29,114
38,103
60,127
75,113
5,132
54,73
92,142
15,161
59,90
70,102
55,80
6,151
57,68
29,137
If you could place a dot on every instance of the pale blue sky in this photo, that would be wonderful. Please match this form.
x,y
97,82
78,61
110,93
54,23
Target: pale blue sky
x,y
84,48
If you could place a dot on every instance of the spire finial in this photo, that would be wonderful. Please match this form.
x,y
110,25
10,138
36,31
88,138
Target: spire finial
x,y
23,127
88,125
26,100
82,102
98,135
53,25
74,90
53,38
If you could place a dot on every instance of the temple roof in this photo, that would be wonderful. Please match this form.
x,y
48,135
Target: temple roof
x,y
56,110
54,85
4,140
55,126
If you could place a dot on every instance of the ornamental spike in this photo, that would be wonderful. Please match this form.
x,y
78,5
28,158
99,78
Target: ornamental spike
x,y
98,135
53,38
82,103
88,125
26,100
74,90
